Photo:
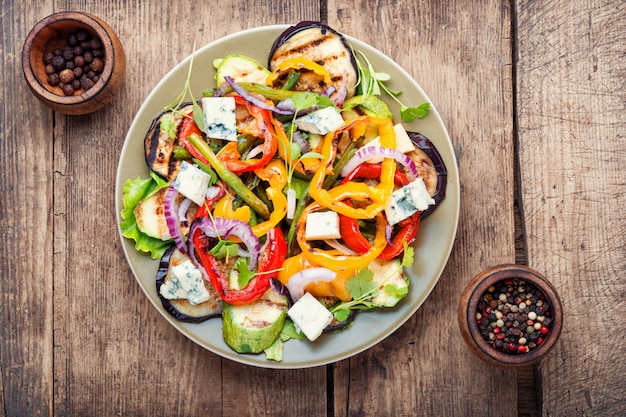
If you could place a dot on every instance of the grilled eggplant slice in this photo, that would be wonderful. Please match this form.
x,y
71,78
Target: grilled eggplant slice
x,y
159,146
182,309
431,169
322,44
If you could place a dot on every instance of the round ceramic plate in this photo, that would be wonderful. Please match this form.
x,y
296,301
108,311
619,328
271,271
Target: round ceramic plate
x,y
432,247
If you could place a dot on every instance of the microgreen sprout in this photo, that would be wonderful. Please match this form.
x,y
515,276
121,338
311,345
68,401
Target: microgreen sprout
x,y
372,83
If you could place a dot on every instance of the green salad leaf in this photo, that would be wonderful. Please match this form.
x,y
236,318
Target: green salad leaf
x,y
134,191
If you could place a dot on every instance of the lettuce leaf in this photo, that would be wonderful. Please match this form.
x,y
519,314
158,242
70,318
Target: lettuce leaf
x,y
134,191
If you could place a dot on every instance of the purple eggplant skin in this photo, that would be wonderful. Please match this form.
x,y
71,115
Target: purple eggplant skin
x,y
159,146
325,46
436,162
336,326
183,310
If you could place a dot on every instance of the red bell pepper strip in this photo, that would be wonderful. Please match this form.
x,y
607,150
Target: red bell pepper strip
x,y
270,262
230,155
350,232
188,128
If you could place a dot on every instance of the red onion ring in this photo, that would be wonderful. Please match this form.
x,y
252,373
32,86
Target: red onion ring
x,y
301,279
172,219
368,152
220,227
252,99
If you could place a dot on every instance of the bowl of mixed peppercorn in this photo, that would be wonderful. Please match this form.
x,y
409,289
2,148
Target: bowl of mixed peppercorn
x,y
73,62
510,315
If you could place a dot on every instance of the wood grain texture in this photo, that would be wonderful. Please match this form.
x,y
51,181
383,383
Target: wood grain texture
x,y
460,53
26,333
112,349
572,97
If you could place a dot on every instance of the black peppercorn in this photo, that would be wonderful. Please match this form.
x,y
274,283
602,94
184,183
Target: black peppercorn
x,y
47,58
78,72
58,62
97,65
86,83
79,61
50,69
88,55
68,90
53,79
72,40
82,35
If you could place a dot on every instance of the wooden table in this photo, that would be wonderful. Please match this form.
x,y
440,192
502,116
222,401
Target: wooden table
x,y
534,96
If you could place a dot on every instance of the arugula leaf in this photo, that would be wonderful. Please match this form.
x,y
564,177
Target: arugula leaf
x,y
224,249
372,105
408,114
213,177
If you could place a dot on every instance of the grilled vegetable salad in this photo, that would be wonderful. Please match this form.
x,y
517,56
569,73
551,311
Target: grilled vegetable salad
x,y
284,199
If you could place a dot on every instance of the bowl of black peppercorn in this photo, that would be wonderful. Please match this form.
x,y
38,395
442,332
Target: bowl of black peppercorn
x,y
73,62
510,316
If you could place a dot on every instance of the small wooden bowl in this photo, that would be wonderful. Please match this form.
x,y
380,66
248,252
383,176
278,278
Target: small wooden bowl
x,y
468,307
52,32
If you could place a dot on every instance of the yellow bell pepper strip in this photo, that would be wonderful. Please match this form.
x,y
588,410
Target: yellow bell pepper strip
x,y
298,64
276,175
224,208
335,288
233,181
334,259
378,195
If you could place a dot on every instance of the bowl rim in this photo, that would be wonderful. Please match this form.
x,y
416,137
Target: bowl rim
x,y
99,28
479,285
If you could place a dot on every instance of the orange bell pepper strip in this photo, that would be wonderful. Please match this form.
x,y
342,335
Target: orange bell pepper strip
x,y
378,195
230,156
334,288
298,64
334,259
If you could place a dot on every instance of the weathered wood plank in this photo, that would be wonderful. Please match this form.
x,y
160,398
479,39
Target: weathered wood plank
x,y
109,338
25,226
571,98
460,53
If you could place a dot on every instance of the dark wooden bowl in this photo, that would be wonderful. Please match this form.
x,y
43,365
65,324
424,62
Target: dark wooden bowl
x,y
52,32
468,306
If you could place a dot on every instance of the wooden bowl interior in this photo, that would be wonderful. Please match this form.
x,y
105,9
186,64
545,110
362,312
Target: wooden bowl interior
x,y
51,36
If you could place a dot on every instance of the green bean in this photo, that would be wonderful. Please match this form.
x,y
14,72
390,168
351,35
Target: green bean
x,y
229,177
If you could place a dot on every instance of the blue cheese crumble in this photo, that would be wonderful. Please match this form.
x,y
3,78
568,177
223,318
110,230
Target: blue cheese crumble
x,y
407,201
185,282
220,120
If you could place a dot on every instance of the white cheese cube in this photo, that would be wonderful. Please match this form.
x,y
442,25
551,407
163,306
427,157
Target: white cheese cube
x,y
190,280
310,316
192,182
408,200
220,121
321,121
322,225
403,143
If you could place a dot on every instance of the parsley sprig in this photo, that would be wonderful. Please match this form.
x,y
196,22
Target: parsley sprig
x,y
363,288
372,83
